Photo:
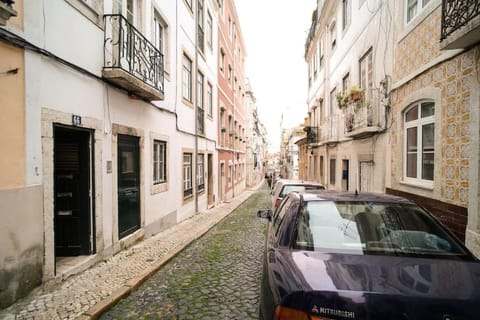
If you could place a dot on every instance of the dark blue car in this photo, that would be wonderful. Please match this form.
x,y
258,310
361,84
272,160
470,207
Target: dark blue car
x,y
332,255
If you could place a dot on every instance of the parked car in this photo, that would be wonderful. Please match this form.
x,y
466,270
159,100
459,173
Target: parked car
x,y
283,186
333,255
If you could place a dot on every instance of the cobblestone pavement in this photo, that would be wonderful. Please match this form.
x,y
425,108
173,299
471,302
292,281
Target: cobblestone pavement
x,y
89,293
216,277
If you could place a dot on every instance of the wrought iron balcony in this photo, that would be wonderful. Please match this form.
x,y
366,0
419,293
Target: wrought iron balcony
x,y
6,11
312,134
460,23
131,61
329,130
362,118
201,39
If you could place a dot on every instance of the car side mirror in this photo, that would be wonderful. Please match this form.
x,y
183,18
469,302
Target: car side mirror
x,y
265,214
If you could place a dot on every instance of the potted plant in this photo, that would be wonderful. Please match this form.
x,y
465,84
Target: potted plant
x,y
342,100
355,93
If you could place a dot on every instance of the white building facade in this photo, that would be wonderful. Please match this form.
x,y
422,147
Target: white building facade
x,y
120,109
349,48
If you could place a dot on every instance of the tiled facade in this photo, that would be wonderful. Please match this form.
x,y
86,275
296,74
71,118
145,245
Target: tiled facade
x,y
450,78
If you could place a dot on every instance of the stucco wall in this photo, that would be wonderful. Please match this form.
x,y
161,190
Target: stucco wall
x,y
21,257
12,117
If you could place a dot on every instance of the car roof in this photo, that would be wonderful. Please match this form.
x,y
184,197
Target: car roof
x,y
327,195
300,182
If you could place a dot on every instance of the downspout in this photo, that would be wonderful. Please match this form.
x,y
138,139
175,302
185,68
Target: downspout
x,y
195,112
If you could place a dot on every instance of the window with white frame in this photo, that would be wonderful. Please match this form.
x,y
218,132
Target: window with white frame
x,y
333,35
419,147
200,172
159,162
320,53
209,99
346,13
187,78
366,70
200,103
201,26
414,7
159,32
209,30
187,175
345,82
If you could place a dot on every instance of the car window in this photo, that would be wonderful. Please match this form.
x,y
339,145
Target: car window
x,y
289,188
372,228
280,214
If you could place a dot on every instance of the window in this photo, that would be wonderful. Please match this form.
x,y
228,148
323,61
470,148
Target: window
x,y
366,70
200,26
200,90
419,126
209,99
320,53
414,7
200,108
209,30
158,33
160,38
200,173
346,82
187,78
187,175
159,162
333,35
332,171
346,12
222,59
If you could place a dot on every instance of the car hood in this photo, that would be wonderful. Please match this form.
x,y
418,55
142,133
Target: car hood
x,y
389,287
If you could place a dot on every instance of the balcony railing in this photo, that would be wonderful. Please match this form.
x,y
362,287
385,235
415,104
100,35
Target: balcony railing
x,y
200,120
329,130
363,116
460,23
6,11
312,134
131,61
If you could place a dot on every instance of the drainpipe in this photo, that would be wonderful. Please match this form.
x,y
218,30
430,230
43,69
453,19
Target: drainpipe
x,y
195,107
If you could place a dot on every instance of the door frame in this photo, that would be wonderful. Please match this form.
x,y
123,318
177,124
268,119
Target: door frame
x,y
90,186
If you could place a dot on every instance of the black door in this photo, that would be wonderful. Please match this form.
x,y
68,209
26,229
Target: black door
x,y
72,204
128,185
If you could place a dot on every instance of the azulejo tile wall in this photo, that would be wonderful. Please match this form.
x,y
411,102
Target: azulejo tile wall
x,y
455,78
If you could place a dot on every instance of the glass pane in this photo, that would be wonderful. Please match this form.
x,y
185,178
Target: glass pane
x,y
428,151
428,109
412,114
412,151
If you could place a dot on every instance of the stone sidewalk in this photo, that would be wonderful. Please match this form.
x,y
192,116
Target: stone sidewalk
x,y
88,294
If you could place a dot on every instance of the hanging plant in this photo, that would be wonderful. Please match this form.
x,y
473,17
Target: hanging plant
x,y
342,100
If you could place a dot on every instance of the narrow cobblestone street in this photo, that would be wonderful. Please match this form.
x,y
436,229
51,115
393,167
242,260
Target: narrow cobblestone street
x,y
216,277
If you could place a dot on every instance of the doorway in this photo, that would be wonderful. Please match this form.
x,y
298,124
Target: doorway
x,y
345,175
128,185
210,196
73,183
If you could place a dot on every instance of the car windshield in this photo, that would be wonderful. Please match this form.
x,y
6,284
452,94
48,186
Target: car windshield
x,y
372,228
289,188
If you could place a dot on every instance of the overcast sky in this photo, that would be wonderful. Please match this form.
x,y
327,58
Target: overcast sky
x,y
274,32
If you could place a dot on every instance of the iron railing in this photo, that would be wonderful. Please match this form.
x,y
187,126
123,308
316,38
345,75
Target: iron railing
x,y
126,48
8,2
363,113
456,14
312,134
